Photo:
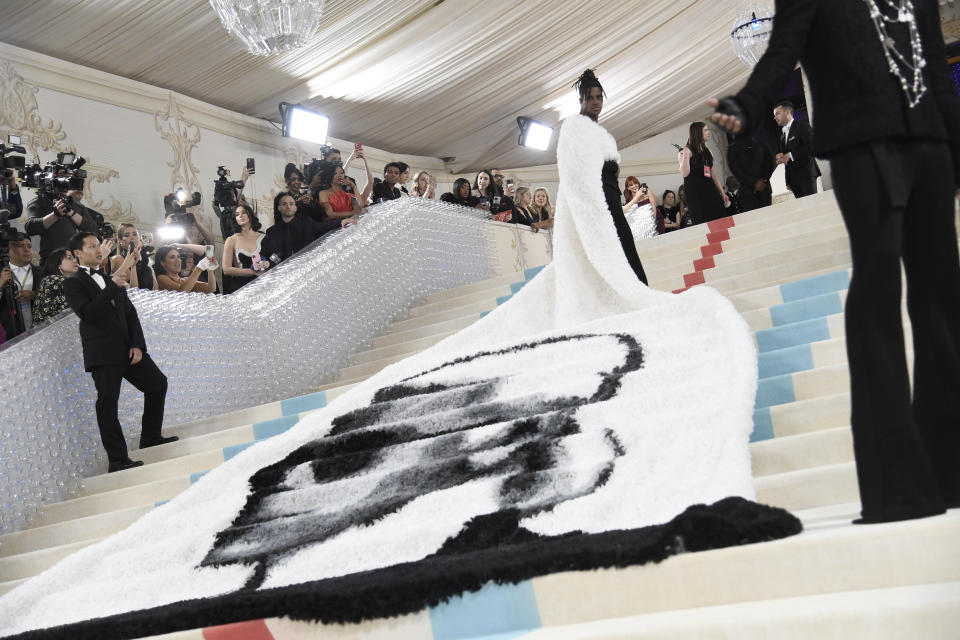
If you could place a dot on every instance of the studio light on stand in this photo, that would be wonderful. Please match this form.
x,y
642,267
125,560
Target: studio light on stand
x,y
303,124
534,134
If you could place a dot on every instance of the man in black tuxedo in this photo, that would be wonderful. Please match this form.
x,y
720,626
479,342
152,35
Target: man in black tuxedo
x,y
752,162
114,349
896,169
796,151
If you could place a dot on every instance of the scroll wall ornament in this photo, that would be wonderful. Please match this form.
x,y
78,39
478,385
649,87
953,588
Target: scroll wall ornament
x,y
115,212
20,114
183,137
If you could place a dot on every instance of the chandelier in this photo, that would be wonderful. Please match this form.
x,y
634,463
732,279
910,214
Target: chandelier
x,y
265,27
751,30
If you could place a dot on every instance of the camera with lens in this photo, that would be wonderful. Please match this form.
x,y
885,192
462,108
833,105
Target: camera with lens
x,y
56,178
225,190
7,165
179,200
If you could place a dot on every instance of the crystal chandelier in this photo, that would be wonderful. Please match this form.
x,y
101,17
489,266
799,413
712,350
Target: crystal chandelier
x,y
265,27
751,30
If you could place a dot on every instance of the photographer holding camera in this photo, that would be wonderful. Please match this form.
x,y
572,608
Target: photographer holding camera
x,y
16,315
57,221
10,197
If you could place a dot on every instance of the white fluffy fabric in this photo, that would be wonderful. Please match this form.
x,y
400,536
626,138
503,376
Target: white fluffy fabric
x,y
674,434
642,221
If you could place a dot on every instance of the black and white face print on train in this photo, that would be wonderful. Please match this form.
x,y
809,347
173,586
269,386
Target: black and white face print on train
x,y
491,431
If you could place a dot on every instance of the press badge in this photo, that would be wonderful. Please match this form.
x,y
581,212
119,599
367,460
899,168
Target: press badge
x,y
706,171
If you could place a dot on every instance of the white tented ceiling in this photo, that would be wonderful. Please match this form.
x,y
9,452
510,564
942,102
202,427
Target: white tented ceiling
x,y
443,78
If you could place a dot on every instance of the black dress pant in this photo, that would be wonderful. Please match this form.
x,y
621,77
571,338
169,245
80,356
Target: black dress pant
x,y
897,200
803,186
146,377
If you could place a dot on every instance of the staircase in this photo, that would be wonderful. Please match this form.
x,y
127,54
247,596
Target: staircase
x,y
786,269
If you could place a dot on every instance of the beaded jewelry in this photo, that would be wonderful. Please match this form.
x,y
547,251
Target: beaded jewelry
x,y
915,88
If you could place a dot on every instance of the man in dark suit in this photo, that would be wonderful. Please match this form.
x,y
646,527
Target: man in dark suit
x,y
114,349
752,162
895,158
16,315
796,151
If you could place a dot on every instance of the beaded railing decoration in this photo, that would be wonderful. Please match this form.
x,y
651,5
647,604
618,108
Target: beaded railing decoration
x,y
280,336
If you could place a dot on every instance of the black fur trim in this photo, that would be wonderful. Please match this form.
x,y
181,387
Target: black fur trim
x,y
513,555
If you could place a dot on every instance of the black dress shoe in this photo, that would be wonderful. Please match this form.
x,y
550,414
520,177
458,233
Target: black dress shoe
x,y
162,440
121,465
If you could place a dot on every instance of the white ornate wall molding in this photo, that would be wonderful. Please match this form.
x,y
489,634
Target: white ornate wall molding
x,y
20,115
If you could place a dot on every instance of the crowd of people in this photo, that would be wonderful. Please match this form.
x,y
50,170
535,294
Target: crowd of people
x,y
321,197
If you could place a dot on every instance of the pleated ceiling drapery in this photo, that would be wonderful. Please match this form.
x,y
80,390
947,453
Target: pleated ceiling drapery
x,y
440,78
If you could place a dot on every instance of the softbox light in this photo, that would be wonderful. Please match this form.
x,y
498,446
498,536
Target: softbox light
x,y
534,134
303,124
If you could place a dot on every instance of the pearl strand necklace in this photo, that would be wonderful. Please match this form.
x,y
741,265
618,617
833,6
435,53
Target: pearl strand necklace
x,y
914,89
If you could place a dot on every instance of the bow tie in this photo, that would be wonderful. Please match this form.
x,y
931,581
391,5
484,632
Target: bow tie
x,y
93,272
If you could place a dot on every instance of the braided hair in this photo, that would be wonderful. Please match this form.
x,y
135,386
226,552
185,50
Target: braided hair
x,y
587,80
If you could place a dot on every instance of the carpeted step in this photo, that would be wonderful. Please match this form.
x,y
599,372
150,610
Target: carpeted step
x,y
823,447
809,488
481,285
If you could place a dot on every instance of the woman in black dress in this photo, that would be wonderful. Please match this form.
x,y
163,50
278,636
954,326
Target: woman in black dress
x,y
591,104
704,193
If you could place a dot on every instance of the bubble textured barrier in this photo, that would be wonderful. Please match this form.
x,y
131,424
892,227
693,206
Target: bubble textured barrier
x,y
282,335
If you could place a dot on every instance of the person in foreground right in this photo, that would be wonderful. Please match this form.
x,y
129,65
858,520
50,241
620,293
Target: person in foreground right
x,y
892,135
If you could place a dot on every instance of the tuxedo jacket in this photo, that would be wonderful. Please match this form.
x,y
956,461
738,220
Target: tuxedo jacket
x,y
109,325
855,98
799,143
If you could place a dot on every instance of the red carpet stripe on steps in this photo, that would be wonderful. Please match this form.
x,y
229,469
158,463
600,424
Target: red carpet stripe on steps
x,y
250,630
719,231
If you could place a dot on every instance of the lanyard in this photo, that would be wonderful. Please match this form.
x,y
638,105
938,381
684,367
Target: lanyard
x,y
24,281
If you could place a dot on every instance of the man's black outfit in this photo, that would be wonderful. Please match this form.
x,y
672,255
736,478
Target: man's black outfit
x,y
383,192
109,328
9,310
751,161
288,238
895,172
59,234
801,171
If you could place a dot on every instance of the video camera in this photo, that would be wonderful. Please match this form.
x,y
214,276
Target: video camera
x,y
179,200
224,190
56,178
7,165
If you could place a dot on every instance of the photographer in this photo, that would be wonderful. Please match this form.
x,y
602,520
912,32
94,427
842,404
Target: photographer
x,y
296,185
25,278
57,222
14,203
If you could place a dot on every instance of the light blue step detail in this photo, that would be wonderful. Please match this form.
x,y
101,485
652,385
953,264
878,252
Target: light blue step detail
x,y
503,299
529,274
815,286
774,391
783,361
160,503
270,428
516,286
196,476
231,451
502,611
483,313
762,425
806,309
299,404
791,335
